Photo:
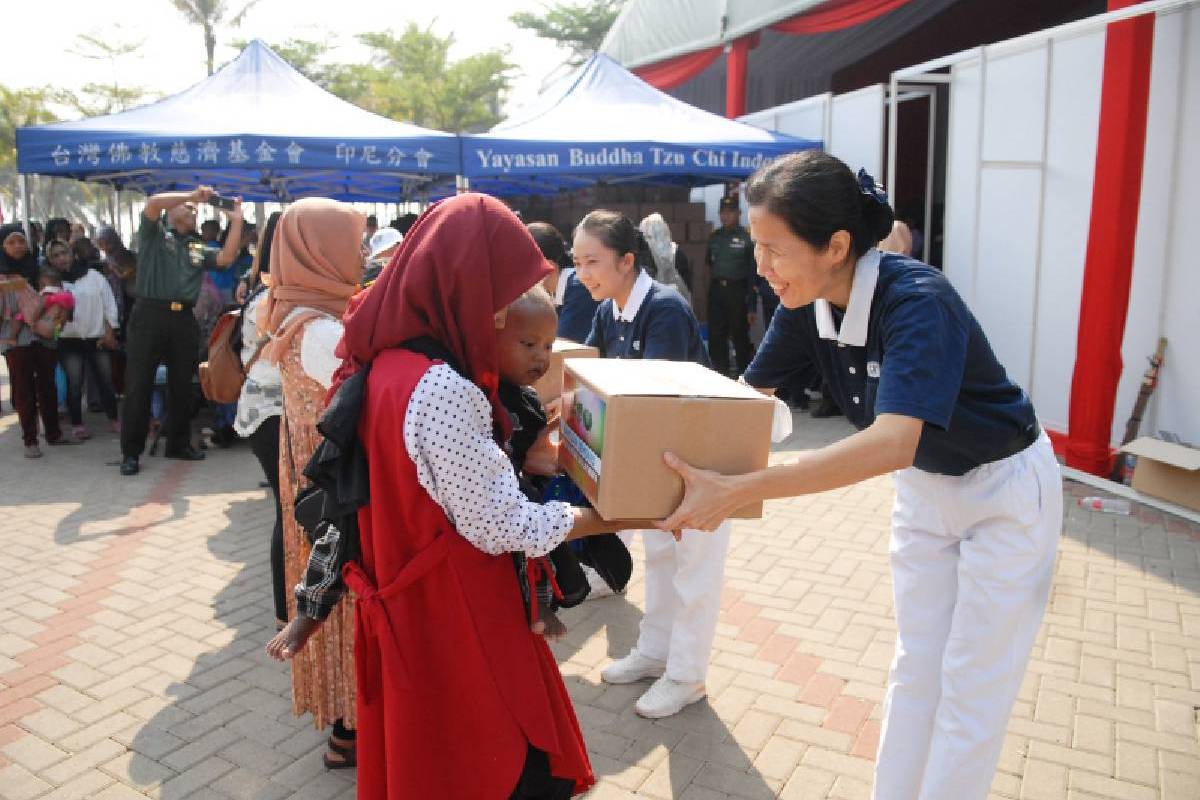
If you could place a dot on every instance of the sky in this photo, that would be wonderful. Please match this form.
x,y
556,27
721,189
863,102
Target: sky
x,y
172,56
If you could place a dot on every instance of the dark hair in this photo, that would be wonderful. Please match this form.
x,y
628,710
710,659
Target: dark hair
x,y
268,239
54,223
549,241
618,233
372,220
817,195
404,223
83,248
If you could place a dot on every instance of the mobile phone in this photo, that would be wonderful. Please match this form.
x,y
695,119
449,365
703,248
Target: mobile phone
x,y
217,201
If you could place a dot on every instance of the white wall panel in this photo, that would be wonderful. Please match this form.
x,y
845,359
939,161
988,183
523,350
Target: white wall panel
x,y
1177,405
962,179
1004,290
856,133
1075,66
1014,112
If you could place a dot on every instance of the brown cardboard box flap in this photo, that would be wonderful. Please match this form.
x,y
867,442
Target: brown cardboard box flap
x,y
653,378
551,384
1176,455
1167,471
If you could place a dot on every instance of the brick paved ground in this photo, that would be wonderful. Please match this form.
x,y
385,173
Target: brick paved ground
x,y
136,609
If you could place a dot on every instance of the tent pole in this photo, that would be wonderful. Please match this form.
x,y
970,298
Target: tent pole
x,y
260,212
25,206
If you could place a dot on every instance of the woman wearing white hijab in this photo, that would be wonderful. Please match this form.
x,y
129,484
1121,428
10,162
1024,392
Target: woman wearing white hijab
x,y
669,260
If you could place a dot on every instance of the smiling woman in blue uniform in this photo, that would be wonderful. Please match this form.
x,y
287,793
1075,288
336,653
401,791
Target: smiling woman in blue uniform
x,y
978,508
574,304
641,318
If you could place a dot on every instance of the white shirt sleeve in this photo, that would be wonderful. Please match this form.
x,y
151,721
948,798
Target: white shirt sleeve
x,y
317,346
448,435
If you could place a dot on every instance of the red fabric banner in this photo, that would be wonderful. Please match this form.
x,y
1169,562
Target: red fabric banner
x,y
1108,267
674,71
831,16
837,15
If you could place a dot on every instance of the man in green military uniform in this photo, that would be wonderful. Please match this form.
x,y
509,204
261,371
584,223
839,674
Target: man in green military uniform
x,y
731,261
172,259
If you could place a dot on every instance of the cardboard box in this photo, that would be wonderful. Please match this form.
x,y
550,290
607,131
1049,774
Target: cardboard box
x,y
698,232
688,212
550,387
620,416
1166,470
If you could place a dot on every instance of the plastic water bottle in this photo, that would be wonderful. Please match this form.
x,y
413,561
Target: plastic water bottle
x,y
1107,505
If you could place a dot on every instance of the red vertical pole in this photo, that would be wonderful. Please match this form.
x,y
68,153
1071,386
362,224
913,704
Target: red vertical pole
x,y
1108,268
735,76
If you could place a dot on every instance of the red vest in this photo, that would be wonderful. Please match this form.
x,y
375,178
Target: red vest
x,y
452,685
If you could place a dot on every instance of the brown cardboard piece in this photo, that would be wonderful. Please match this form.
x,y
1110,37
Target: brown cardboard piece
x,y
620,416
1166,470
551,385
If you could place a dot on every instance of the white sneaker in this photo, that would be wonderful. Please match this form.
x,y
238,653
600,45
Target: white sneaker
x,y
632,668
667,697
599,587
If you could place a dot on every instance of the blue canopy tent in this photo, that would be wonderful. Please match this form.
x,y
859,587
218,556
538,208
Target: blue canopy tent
x,y
257,128
604,124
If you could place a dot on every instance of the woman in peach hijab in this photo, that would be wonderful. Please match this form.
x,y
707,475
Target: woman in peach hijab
x,y
316,266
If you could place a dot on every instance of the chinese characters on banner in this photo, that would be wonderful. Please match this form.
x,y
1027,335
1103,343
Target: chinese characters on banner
x,y
246,152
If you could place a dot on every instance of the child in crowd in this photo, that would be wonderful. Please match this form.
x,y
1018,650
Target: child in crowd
x,y
523,347
57,306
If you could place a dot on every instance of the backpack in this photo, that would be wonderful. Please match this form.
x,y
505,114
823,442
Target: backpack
x,y
222,376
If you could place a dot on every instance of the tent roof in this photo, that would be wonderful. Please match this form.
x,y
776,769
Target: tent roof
x,y
649,31
603,123
256,127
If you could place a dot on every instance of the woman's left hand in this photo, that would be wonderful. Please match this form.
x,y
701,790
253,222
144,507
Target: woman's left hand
x,y
709,498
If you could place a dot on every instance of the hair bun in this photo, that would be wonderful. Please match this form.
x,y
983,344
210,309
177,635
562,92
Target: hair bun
x,y
878,218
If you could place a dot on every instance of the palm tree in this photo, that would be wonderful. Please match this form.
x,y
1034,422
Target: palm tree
x,y
209,14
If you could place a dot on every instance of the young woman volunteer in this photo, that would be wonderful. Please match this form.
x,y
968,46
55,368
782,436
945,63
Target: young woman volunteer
x,y
978,504
641,318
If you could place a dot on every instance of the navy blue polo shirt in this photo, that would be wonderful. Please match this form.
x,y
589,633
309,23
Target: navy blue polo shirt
x,y
655,323
576,308
922,355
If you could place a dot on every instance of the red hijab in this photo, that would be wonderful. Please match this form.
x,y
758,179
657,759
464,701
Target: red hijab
x,y
463,260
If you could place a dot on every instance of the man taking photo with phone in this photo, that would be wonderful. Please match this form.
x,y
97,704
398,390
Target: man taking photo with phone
x,y
172,259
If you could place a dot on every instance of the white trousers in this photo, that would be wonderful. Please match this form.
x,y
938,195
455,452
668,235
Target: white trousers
x,y
683,599
972,560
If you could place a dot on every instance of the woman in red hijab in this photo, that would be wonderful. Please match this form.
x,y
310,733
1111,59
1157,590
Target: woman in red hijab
x,y
456,696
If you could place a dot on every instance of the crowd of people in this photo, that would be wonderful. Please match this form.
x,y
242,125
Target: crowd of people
x,y
424,541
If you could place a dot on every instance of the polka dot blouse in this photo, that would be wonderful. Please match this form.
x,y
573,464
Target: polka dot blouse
x,y
448,435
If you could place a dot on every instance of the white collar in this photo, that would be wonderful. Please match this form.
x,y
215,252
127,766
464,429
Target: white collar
x,y
560,288
641,288
858,310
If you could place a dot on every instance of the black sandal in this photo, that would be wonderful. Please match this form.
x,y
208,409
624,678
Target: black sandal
x,y
349,756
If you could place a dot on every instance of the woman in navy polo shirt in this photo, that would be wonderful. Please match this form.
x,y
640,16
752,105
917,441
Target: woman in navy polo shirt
x,y
978,507
642,318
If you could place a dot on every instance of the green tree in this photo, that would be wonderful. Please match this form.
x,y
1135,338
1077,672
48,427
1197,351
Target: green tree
x,y
94,98
580,28
47,196
18,108
409,77
209,15
412,78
